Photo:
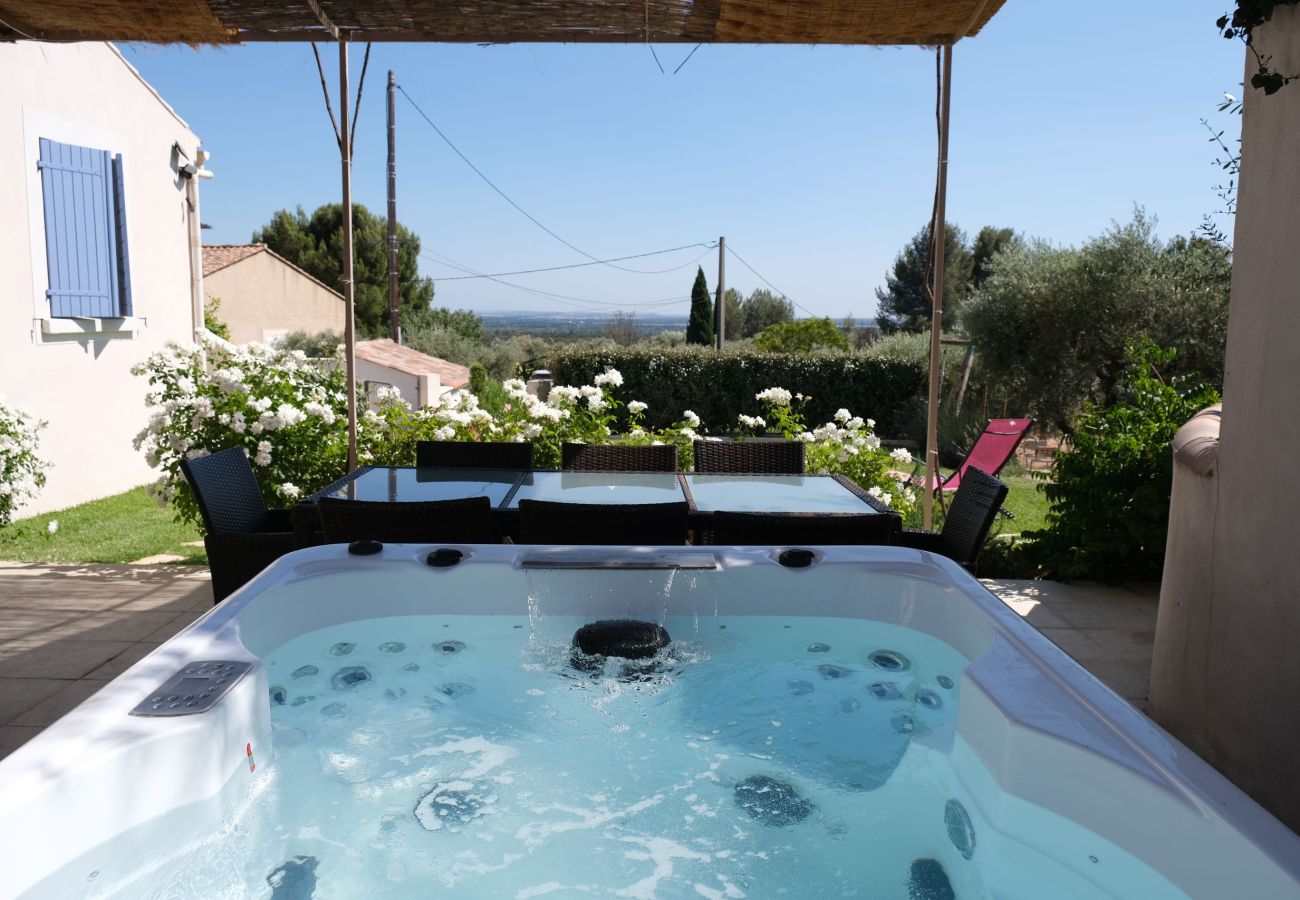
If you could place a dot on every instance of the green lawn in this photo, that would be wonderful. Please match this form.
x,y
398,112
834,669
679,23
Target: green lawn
x,y
1024,501
117,529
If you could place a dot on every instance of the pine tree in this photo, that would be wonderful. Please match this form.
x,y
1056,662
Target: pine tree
x,y
700,328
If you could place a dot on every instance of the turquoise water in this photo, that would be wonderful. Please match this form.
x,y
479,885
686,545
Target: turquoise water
x,y
463,756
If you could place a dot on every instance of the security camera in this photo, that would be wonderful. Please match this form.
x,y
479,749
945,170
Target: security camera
x,y
189,170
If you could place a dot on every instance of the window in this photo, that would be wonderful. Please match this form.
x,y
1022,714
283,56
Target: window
x,y
85,232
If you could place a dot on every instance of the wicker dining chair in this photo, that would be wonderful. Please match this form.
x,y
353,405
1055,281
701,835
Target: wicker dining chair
x,y
967,523
463,521
755,457
618,458
474,454
641,524
771,529
242,537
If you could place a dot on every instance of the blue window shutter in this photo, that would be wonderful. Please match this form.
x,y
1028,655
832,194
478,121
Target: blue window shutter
x,y
80,230
119,219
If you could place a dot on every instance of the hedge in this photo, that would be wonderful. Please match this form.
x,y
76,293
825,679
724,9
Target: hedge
x,y
720,386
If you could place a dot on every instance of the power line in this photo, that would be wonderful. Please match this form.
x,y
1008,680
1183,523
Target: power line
x,y
708,249
645,304
504,196
732,251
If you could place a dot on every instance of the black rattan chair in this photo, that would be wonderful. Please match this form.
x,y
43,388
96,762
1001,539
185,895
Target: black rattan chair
x,y
463,521
755,457
966,526
474,454
241,535
618,458
771,529
641,524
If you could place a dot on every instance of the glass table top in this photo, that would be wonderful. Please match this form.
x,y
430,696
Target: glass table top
x,y
599,487
412,485
773,493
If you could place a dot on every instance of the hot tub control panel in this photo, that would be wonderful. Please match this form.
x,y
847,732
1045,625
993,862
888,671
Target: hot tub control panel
x,y
195,688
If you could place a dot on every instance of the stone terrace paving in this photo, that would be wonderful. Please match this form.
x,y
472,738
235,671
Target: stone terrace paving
x,y
67,630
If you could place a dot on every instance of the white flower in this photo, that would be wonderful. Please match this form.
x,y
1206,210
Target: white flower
x,y
856,423
263,457
901,455
515,387
290,490
691,419
589,390
52,526
777,396
256,428
752,421
562,395
842,415
595,404
532,431
611,377
289,415
636,407
686,432
185,384
445,433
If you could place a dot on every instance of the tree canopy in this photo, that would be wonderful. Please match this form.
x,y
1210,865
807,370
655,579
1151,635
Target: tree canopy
x,y
1051,324
315,245
802,336
762,309
903,304
699,330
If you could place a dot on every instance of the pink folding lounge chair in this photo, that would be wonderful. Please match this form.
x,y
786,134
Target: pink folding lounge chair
x,y
990,452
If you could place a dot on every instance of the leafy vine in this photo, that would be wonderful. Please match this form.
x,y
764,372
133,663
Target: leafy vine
x,y
1241,23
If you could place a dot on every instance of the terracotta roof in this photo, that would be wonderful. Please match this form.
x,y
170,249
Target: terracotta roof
x,y
218,256
392,355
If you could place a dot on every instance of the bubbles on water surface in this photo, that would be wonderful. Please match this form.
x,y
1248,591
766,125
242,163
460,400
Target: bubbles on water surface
x,y
945,682
817,648
850,704
455,689
392,647
452,805
305,671
342,648
299,701
449,647
278,695
411,667
772,801
832,672
350,677
334,710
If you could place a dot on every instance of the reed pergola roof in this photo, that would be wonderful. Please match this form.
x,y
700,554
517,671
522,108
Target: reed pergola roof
x,y
929,22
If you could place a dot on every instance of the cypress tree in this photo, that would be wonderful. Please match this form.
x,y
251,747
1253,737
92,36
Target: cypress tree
x,y
700,328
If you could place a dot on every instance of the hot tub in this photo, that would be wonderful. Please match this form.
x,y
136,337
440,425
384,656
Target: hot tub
x,y
851,722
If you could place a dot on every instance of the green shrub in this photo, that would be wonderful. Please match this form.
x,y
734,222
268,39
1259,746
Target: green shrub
x,y
802,336
1108,510
22,471
721,386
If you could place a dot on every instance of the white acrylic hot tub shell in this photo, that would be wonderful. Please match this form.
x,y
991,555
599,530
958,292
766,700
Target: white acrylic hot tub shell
x,y
1034,730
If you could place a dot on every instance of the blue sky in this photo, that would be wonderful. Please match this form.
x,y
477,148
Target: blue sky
x,y
817,163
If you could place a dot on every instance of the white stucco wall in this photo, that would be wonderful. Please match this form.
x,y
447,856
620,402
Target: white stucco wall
x,y
262,297
80,383
1226,674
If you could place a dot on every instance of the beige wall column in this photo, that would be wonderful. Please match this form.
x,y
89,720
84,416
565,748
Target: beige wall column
x,y
1230,686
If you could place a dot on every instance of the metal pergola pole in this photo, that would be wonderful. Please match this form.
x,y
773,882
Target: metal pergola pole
x,y
938,236
349,294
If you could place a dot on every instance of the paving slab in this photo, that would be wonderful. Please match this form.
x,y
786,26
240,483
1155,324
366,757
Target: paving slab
x,y
67,630
1108,629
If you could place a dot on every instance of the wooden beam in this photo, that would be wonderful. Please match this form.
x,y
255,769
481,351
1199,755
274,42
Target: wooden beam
x,y
324,19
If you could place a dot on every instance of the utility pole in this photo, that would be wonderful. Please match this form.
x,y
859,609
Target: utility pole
x,y
720,307
394,322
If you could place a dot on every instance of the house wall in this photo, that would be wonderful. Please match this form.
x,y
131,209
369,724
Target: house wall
x,y
80,380
1226,674
264,298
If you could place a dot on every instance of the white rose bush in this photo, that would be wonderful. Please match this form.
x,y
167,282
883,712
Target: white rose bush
x,y
289,414
22,471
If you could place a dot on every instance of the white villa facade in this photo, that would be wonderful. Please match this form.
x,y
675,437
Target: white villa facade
x,y
98,255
